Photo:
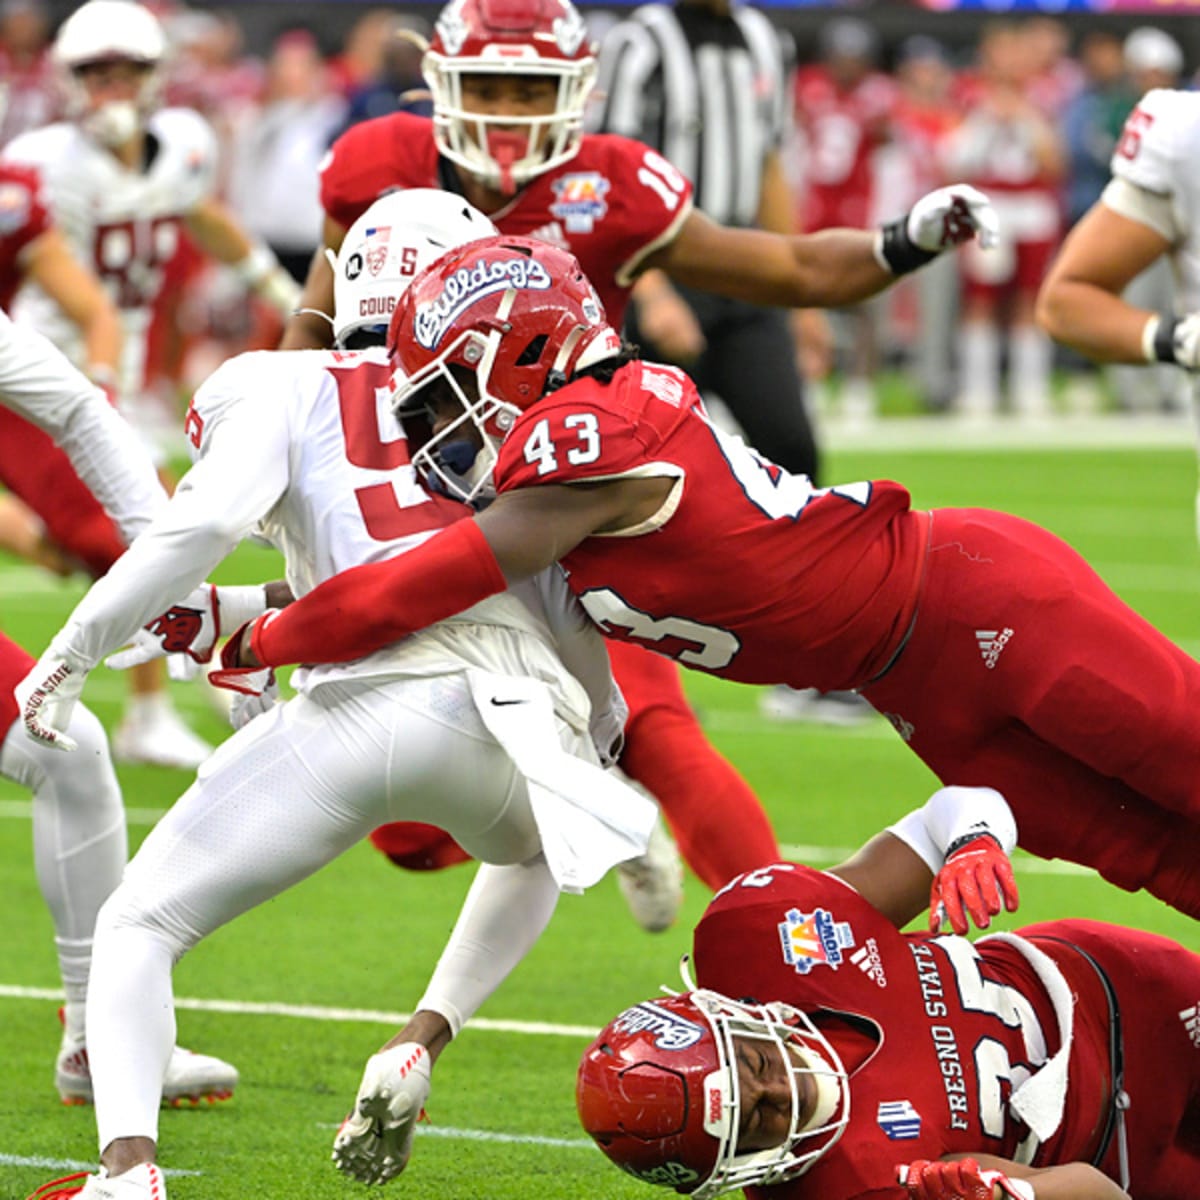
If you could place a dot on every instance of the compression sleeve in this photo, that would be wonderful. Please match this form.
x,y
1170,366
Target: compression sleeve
x,y
369,606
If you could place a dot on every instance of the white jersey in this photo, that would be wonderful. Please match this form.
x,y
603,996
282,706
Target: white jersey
x,y
303,447
1159,153
122,223
37,382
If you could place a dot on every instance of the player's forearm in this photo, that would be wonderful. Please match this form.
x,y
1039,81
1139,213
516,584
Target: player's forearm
x,y
1071,1181
1097,324
368,607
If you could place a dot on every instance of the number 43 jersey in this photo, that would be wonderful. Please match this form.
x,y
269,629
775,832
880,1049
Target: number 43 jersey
x,y
745,572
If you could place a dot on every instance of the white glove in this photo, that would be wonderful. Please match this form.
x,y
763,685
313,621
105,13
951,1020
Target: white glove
x,y
1173,340
46,696
375,1140
245,706
193,626
607,728
943,218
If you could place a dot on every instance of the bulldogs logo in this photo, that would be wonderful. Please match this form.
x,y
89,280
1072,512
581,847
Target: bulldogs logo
x,y
470,284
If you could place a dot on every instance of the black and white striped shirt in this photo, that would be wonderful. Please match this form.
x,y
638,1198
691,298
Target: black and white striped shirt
x,y
712,94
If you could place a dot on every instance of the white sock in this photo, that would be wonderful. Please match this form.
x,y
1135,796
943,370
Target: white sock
x,y
1029,371
979,371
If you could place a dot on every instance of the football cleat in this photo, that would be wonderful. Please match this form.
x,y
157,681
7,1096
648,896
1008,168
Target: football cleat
x,y
653,883
190,1077
375,1141
143,1182
158,738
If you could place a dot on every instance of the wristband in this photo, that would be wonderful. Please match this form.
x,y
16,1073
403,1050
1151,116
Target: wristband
x,y
896,252
1164,339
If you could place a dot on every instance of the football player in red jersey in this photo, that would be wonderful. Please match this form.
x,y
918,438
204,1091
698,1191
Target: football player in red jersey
x,y
997,653
1059,1062
510,79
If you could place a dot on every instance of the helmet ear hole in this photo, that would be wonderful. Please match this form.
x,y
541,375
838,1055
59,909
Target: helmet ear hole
x,y
533,351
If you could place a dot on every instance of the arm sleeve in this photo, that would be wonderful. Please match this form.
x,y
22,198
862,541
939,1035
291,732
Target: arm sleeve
x,y
37,381
954,813
367,607
242,473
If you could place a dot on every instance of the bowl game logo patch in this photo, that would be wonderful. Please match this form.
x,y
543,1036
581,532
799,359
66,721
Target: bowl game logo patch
x,y
812,939
580,200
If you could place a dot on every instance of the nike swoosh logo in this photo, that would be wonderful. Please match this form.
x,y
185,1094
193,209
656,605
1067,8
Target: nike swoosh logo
x,y
503,703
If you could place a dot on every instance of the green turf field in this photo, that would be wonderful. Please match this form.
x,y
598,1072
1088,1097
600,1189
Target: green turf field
x,y
298,993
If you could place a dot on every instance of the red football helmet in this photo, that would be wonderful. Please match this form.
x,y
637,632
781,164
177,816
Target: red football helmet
x,y
658,1089
500,321
509,37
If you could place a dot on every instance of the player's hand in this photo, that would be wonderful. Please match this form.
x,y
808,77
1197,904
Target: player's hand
x,y
667,322
246,706
375,1140
974,880
240,671
950,216
193,626
46,697
963,1179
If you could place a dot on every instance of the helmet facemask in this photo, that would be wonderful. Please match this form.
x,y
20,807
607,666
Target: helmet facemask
x,y
458,459
114,122
505,152
791,1034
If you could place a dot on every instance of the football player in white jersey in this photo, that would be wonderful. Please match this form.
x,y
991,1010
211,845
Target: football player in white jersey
x,y
79,843
122,177
476,725
1149,210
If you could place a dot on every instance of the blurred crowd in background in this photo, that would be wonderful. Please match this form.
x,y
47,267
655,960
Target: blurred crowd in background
x,y
1031,113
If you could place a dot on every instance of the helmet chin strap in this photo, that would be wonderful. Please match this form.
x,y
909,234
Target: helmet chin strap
x,y
506,148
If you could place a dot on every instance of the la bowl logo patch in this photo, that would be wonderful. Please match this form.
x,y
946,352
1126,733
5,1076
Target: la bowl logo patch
x,y
580,203
468,285
811,939
14,207
377,247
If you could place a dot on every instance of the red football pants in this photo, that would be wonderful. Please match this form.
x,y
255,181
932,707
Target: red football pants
x,y
35,470
1026,673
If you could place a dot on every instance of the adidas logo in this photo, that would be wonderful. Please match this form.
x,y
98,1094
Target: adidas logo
x,y
1191,1023
991,642
867,959
552,233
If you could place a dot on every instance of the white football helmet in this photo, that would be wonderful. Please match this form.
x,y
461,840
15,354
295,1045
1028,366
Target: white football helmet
x,y
110,31
386,249
545,38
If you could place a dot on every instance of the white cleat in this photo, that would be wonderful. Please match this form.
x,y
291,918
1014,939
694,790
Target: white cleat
x,y
782,703
190,1077
159,738
375,1141
143,1182
653,884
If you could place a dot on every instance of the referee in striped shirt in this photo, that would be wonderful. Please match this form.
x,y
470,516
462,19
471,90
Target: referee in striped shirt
x,y
709,86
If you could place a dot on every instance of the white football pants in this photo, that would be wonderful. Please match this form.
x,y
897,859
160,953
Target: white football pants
x,y
281,798
79,843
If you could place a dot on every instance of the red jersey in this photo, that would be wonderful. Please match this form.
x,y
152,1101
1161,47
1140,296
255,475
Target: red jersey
x,y
842,130
748,573
611,205
23,217
949,1038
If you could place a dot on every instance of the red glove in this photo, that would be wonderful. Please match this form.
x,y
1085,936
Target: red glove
x,y
960,1180
231,675
975,877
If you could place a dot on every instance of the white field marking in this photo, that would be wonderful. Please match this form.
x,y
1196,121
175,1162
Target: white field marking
x,y
69,1164
487,1135
318,1012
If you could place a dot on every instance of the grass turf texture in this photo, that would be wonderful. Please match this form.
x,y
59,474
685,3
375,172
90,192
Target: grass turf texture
x,y
364,936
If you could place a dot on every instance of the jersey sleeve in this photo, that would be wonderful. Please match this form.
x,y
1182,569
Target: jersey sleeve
x,y
648,201
195,144
240,472
356,171
1152,149
23,212
567,441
